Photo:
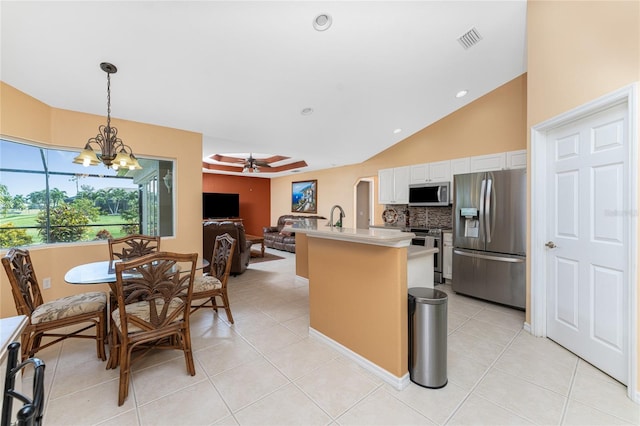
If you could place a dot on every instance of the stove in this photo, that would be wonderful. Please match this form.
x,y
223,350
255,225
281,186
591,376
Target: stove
x,y
431,237
422,232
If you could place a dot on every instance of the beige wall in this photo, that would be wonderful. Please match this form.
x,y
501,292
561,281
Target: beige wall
x,y
577,52
25,118
493,123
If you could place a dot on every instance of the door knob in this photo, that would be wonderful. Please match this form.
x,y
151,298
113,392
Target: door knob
x,y
551,244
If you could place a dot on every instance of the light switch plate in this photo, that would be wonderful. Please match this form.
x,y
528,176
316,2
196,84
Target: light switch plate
x,y
46,283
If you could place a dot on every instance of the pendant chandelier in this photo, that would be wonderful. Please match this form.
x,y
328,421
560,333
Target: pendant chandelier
x,y
113,152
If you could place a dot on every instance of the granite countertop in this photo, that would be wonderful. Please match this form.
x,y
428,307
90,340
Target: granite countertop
x,y
390,227
373,236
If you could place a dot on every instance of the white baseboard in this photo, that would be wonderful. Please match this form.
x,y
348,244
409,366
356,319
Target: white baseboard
x,y
302,280
398,383
527,327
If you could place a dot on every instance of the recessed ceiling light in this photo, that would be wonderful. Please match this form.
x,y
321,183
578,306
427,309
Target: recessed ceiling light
x,y
461,93
396,131
306,111
322,22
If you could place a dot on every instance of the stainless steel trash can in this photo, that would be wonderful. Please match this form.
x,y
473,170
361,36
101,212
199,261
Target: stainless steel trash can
x,y
428,337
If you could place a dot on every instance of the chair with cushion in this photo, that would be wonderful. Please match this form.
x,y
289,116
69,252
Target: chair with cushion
x,y
214,284
131,246
80,309
154,299
127,248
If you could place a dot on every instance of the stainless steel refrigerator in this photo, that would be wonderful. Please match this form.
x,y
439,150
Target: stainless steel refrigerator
x,y
489,236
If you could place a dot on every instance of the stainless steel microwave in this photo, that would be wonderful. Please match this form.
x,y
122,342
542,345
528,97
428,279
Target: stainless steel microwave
x,y
429,194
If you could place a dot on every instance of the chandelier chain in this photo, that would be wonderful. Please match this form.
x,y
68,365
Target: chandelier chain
x,y
108,100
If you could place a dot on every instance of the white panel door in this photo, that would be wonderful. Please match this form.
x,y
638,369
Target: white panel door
x,y
588,227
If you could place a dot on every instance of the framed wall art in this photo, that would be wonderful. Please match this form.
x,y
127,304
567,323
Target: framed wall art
x,y
304,196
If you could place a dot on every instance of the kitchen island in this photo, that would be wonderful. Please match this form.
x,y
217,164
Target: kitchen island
x,y
358,293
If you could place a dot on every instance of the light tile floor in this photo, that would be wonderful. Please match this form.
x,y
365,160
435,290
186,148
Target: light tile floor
x,y
266,370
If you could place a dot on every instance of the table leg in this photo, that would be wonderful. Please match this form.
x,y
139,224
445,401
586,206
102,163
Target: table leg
x,y
262,248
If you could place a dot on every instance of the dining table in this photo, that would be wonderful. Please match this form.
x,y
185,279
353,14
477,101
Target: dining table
x,y
103,272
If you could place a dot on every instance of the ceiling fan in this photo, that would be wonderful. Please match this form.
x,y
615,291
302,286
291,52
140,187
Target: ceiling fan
x,y
253,165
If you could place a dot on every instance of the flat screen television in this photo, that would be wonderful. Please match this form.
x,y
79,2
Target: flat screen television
x,y
217,205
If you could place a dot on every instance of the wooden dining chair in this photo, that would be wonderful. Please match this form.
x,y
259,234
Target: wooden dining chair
x,y
44,317
131,246
126,248
208,287
154,298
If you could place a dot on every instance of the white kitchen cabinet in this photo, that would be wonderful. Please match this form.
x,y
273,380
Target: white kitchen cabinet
x,y
393,185
517,159
487,163
386,192
458,166
439,171
419,173
447,255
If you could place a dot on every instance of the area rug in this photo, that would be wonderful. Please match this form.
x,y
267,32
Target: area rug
x,y
267,257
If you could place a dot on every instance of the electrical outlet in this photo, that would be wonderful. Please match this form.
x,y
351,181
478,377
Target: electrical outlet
x,y
46,283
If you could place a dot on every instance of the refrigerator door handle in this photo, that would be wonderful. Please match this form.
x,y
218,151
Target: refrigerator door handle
x,y
483,188
489,257
487,216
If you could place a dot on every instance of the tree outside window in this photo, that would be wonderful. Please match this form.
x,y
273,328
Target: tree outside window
x,y
46,199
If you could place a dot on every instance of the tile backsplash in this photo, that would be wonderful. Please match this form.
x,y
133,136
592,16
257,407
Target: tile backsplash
x,y
422,217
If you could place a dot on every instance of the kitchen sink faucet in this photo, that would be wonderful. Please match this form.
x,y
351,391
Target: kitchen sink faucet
x,y
339,222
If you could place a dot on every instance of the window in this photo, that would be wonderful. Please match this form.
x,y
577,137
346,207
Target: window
x,y
46,199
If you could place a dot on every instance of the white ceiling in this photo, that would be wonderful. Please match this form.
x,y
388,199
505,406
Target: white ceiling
x,y
241,72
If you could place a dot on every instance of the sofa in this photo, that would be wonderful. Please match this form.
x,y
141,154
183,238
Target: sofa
x,y
275,238
242,252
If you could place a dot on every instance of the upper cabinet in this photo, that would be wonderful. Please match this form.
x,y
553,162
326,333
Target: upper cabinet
x,y
431,172
393,185
517,159
458,166
486,163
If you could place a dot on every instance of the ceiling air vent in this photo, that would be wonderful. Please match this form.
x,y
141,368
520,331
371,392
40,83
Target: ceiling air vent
x,y
470,38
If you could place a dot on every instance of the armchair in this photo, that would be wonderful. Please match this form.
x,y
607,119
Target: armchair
x,y
242,252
